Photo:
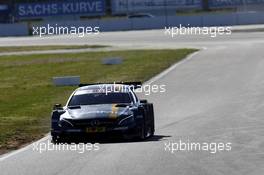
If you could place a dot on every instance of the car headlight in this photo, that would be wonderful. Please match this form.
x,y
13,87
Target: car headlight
x,y
126,120
65,123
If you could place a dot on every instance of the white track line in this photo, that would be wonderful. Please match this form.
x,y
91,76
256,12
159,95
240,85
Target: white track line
x,y
5,156
152,80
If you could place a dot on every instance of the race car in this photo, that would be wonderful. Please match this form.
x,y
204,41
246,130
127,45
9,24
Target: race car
x,y
103,110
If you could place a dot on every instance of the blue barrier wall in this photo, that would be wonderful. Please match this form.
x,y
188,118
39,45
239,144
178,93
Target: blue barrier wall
x,y
224,19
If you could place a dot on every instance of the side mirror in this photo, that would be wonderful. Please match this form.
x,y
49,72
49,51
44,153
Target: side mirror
x,y
144,101
57,106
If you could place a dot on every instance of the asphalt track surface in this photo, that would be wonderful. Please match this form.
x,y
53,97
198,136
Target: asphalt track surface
x,y
216,95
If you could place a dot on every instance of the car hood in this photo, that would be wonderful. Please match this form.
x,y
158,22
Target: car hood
x,y
96,111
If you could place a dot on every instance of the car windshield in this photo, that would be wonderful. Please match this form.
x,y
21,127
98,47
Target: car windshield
x,y
99,98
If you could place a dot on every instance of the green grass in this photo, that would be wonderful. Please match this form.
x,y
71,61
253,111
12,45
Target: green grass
x,y
49,47
27,94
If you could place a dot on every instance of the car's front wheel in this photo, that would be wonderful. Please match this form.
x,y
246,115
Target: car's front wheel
x,y
54,139
145,132
142,132
57,139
